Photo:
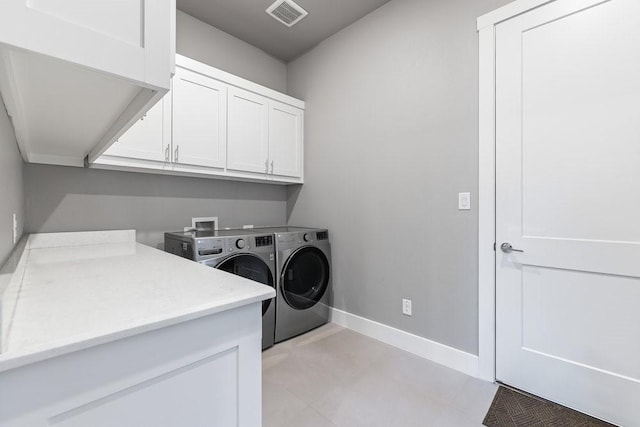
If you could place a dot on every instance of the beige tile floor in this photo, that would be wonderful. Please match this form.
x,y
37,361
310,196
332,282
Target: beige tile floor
x,y
336,377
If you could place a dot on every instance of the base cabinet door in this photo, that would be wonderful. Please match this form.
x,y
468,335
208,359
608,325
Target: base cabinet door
x,y
285,140
209,376
149,138
248,137
199,120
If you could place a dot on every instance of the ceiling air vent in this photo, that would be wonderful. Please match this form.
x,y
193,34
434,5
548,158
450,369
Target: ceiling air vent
x,y
287,12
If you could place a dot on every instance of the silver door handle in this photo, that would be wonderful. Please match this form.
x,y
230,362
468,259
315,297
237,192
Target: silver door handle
x,y
166,154
271,167
507,248
175,154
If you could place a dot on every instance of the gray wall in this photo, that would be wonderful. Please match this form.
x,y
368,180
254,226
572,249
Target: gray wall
x,y
391,136
11,189
207,44
71,199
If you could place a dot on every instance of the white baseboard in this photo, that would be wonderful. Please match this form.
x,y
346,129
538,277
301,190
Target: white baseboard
x,y
448,356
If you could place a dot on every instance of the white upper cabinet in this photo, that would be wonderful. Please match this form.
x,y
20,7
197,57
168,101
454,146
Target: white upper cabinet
x,y
199,120
248,139
214,124
285,139
76,74
149,138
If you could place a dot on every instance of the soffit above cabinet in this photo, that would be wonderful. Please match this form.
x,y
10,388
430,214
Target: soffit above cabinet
x,y
73,78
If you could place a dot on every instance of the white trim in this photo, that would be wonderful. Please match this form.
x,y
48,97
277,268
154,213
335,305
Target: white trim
x,y
80,238
124,164
448,356
486,207
223,76
487,182
508,11
13,103
54,159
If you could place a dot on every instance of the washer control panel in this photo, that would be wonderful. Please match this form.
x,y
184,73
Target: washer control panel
x,y
210,246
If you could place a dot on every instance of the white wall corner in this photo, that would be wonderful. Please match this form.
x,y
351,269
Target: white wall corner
x,y
450,357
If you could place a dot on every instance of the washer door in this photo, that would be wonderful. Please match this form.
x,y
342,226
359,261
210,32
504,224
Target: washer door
x,y
305,278
250,267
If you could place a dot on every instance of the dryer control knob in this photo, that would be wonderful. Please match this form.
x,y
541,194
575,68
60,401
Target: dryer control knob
x,y
306,237
240,243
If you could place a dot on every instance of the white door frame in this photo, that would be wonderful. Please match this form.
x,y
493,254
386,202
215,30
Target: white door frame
x,y
487,182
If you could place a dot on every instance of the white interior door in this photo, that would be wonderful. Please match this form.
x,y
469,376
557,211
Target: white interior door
x,y
568,195
199,120
248,144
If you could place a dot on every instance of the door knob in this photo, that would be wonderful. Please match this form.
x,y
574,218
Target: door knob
x,y
507,248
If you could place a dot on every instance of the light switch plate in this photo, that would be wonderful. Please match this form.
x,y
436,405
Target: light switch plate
x,y
464,201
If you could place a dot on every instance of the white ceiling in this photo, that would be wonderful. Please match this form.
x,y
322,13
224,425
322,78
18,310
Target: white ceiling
x,y
248,21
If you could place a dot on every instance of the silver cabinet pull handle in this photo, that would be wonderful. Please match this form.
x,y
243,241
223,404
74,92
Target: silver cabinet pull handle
x,y
507,248
166,154
266,166
271,167
176,152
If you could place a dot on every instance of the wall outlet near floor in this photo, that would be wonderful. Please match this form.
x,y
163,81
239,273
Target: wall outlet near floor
x,y
406,307
15,229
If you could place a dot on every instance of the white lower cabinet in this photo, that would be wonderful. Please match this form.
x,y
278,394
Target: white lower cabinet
x,y
217,125
201,372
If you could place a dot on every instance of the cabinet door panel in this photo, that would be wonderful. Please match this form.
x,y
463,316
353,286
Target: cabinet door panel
x,y
199,120
248,143
149,138
126,38
285,139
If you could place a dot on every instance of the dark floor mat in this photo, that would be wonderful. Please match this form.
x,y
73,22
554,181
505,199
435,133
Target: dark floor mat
x,y
511,408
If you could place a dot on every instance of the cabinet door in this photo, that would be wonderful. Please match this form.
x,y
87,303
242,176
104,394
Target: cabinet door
x,y
149,138
199,120
285,140
128,38
248,143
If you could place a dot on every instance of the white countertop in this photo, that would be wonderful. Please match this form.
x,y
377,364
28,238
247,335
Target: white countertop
x,y
83,289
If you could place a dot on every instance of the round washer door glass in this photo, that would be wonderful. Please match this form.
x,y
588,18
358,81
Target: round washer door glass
x,y
249,267
305,278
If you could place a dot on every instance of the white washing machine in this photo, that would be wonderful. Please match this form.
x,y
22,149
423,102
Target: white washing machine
x,y
242,252
303,279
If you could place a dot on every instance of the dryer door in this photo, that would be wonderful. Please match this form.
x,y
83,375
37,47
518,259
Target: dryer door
x,y
250,267
305,277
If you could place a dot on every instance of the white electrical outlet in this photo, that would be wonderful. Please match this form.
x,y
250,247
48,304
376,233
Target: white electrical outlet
x,y
406,307
15,229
